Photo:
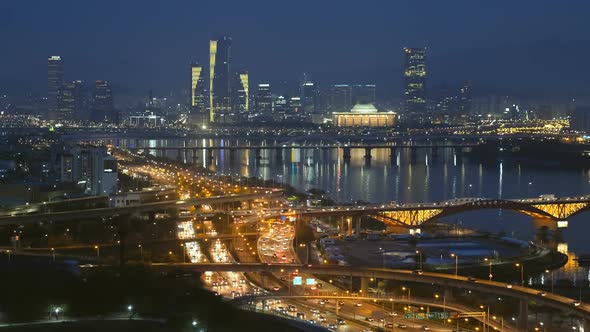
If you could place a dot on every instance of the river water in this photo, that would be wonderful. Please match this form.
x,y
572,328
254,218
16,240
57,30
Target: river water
x,y
423,177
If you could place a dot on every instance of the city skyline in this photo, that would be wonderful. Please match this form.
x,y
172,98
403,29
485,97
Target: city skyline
x,y
158,64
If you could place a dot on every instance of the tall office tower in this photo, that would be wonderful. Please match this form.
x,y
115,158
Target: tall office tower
x,y
219,77
69,100
415,81
198,90
264,99
464,99
241,93
309,97
55,78
341,98
363,94
103,109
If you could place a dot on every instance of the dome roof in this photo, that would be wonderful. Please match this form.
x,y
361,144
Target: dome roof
x,y
364,108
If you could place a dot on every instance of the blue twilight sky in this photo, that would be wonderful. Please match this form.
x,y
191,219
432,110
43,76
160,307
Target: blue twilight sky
x,y
146,44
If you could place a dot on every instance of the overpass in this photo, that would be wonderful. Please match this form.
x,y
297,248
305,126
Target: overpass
x,y
413,301
544,211
523,294
19,219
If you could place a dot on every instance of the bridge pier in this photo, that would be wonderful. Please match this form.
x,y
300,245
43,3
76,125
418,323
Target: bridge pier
x,y
349,226
368,155
392,155
346,153
434,151
258,153
358,226
279,155
546,231
523,315
179,154
364,286
413,155
194,156
210,155
232,154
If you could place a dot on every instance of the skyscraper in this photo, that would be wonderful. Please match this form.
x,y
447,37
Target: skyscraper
x,y
241,94
198,89
219,77
415,81
341,98
69,100
55,78
264,99
103,108
309,97
363,94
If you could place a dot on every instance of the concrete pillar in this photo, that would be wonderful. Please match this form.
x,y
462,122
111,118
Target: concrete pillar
x,y
368,155
341,224
349,226
210,155
179,154
392,155
523,315
448,294
358,226
195,156
413,155
258,154
364,286
546,231
232,154
346,153
434,151
279,155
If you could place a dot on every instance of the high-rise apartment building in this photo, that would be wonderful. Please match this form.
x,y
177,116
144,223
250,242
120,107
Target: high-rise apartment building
x,y
219,77
415,81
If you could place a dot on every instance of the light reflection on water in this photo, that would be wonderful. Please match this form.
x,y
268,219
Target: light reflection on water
x,y
403,177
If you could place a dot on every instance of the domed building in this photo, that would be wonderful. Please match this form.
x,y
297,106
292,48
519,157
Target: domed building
x,y
364,115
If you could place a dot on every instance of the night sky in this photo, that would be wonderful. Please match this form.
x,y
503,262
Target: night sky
x,y
146,44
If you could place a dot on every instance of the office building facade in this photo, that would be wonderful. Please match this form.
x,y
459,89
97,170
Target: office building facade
x,y
415,81
55,79
241,94
219,77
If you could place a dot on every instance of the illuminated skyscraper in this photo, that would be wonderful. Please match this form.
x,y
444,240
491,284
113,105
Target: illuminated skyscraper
x,y
219,77
241,94
264,99
69,101
198,89
309,97
103,109
415,81
55,78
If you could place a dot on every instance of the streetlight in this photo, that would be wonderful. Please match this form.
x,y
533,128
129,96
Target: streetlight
x,y
183,252
57,310
521,272
547,271
486,320
456,263
489,261
404,288
140,251
97,252
420,253
130,310
53,253
436,296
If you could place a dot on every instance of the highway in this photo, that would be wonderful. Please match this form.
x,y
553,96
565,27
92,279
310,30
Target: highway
x,y
565,304
140,208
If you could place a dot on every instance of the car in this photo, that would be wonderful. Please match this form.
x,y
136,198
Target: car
x,y
402,326
541,293
276,288
472,279
418,272
426,327
358,304
332,326
340,302
508,285
576,303
340,321
369,319
389,325
322,318
315,311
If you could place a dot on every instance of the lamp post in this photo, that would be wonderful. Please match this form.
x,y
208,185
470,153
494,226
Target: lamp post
x,y
436,296
183,252
420,257
547,271
456,263
53,254
486,320
97,253
409,295
140,251
521,272
130,310
490,263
